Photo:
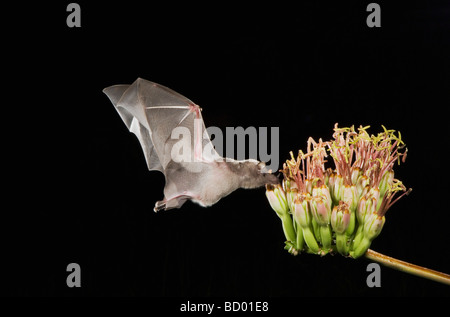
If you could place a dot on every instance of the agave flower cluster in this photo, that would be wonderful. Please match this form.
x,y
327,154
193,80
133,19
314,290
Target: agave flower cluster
x,y
343,209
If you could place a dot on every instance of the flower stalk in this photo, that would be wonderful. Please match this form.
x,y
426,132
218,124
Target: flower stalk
x,y
408,267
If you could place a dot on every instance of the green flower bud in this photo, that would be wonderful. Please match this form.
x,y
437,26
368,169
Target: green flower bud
x,y
323,192
340,218
320,210
316,192
362,186
360,248
309,185
349,197
386,182
302,213
327,174
374,193
286,184
366,206
330,183
290,195
373,226
338,189
277,199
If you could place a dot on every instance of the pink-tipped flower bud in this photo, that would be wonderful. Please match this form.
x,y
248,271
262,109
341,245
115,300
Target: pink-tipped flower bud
x,y
366,206
340,218
301,211
325,192
277,199
373,226
349,197
330,181
386,182
290,195
338,189
286,184
326,175
362,186
316,192
320,210
373,193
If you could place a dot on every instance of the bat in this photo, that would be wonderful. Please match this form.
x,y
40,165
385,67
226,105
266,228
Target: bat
x,y
174,140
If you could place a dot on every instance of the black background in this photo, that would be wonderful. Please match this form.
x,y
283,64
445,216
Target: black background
x,y
84,194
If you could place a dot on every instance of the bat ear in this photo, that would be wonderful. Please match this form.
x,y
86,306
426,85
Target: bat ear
x,y
262,168
115,92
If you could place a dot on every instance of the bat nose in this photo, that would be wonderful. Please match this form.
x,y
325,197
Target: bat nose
x,y
272,179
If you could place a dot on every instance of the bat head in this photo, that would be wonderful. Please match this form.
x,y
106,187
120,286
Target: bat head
x,y
253,173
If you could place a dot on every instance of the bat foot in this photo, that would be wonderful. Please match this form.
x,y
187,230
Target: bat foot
x,y
160,205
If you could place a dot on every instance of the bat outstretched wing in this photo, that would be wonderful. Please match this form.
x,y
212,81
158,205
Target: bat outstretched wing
x,y
153,113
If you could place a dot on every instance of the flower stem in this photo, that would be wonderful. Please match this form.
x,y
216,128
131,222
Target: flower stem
x,y
325,235
341,243
361,248
310,240
300,240
288,228
408,267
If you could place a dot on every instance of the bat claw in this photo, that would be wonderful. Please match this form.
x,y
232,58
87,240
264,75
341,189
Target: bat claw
x,y
160,205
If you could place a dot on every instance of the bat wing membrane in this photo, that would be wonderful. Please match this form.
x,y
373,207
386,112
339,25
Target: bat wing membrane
x,y
152,112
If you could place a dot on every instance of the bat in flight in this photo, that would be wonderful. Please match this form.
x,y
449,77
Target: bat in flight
x,y
174,139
